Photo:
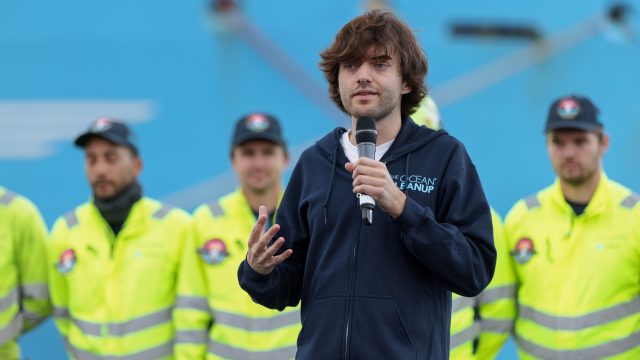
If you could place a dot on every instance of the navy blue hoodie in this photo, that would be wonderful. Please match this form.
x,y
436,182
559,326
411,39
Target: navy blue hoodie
x,y
380,291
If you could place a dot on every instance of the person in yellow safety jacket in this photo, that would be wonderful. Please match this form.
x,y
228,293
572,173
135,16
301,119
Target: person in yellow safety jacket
x,y
124,284
575,249
24,295
478,330
241,328
427,114
487,310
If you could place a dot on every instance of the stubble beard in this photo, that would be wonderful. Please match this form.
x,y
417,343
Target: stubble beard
x,y
584,176
381,110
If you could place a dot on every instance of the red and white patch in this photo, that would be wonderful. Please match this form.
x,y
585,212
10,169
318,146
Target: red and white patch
x,y
213,251
257,123
523,250
101,124
67,261
568,109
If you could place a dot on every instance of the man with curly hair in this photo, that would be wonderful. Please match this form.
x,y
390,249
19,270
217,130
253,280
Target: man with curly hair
x,y
383,290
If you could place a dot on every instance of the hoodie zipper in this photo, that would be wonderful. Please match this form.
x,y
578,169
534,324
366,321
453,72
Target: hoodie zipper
x,y
352,275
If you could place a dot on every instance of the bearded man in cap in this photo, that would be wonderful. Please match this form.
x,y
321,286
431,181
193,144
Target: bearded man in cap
x,y
121,282
574,249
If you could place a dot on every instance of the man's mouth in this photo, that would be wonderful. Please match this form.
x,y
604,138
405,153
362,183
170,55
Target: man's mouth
x,y
364,93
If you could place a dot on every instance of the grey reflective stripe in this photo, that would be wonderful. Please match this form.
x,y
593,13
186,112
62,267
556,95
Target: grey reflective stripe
x,y
11,330
123,328
191,337
9,300
532,202
88,328
257,324
7,197
216,209
461,303
162,212
71,219
595,318
497,293
496,326
192,302
141,323
630,201
153,353
230,352
32,318
35,291
610,348
465,335
60,312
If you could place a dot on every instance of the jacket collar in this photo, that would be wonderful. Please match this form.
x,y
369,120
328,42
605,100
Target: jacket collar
x,y
599,202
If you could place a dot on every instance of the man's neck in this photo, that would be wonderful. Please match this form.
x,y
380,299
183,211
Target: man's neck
x,y
387,128
267,198
581,194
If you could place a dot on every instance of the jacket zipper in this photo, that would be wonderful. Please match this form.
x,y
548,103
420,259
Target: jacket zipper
x,y
352,274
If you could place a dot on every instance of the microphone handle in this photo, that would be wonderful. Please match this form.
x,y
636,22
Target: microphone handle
x,y
367,203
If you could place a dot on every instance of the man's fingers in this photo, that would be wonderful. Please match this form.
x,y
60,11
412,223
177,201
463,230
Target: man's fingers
x,y
350,166
282,257
257,231
266,237
271,250
375,171
368,180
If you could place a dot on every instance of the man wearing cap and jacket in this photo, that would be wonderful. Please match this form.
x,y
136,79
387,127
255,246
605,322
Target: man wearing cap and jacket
x,y
24,295
124,280
241,328
574,249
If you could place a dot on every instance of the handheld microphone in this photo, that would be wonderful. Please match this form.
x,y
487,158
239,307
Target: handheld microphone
x,y
366,135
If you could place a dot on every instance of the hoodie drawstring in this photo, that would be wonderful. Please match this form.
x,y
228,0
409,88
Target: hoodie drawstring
x,y
333,173
406,174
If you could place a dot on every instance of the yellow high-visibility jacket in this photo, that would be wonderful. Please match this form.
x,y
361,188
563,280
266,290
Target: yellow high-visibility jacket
x,y
578,276
482,319
24,295
127,296
241,328
497,303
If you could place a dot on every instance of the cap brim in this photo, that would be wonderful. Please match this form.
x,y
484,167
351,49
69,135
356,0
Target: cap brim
x,y
82,140
265,136
572,125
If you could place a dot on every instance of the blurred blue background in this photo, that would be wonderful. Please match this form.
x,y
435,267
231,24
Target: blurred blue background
x,y
182,74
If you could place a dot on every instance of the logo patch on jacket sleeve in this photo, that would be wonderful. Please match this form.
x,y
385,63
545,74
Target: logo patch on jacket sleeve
x,y
213,251
67,261
523,251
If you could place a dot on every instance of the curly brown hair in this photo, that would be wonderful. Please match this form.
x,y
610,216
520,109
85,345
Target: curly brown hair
x,y
379,29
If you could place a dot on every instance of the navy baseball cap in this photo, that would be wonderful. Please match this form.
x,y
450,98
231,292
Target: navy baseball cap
x,y
257,126
115,132
573,112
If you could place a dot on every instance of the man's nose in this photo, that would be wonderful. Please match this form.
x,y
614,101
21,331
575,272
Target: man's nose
x,y
363,75
570,151
101,167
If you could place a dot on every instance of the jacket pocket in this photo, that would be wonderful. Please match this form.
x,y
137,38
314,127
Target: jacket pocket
x,y
379,331
322,329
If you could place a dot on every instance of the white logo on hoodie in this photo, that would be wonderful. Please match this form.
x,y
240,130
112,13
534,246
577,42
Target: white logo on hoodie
x,y
415,182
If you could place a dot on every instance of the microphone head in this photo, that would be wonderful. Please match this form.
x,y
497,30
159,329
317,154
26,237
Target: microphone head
x,y
366,130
